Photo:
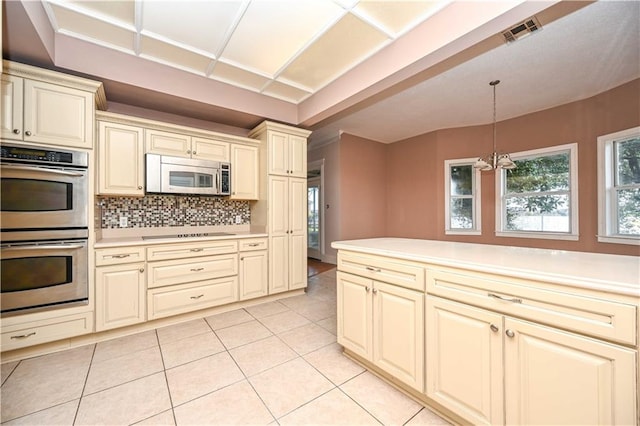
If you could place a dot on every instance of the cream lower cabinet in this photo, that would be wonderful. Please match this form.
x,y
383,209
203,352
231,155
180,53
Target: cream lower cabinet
x,y
252,274
550,376
120,287
120,159
383,324
287,234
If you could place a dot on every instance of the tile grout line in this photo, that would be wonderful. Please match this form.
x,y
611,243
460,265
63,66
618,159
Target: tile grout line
x,y
166,380
84,386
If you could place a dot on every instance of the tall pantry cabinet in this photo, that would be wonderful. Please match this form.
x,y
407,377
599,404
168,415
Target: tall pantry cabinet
x,y
282,205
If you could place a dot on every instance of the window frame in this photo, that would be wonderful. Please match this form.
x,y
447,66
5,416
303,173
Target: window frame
x,y
476,197
573,234
607,207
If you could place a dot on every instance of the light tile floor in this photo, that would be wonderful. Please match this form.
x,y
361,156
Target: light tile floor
x,y
273,363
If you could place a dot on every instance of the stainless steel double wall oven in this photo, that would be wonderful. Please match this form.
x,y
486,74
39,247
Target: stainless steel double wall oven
x,y
44,228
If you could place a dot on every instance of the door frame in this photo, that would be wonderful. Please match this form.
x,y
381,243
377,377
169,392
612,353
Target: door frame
x,y
319,165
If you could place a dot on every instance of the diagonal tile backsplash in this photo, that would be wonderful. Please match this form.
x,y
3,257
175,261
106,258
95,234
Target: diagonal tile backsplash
x,y
152,211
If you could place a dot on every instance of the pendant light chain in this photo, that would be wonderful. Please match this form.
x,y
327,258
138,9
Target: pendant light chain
x,y
494,84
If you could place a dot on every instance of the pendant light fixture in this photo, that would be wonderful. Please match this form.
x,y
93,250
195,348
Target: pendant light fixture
x,y
494,160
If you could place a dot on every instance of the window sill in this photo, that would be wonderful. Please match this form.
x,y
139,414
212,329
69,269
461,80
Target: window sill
x,y
539,235
620,240
456,232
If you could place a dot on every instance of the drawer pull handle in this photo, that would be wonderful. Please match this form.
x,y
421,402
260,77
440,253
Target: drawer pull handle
x,y
506,299
510,333
197,297
196,269
196,250
254,244
369,268
120,256
494,328
24,336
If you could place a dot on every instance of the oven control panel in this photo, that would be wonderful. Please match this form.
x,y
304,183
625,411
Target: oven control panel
x,y
29,154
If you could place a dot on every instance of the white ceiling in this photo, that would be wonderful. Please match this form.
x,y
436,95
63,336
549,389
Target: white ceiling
x,y
383,70
287,49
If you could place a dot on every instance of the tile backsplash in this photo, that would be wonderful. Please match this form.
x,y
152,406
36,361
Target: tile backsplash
x,y
153,211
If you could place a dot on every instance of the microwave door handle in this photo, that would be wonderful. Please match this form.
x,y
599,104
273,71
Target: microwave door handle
x,y
218,182
42,169
37,247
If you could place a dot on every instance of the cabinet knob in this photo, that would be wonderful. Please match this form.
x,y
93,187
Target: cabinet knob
x,y
366,288
510,333
16,131
194,153
141,270
28,133
188,151
494,328
374,291
139,187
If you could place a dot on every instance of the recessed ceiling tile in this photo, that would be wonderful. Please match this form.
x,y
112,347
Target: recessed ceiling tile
x,y
234,75
397,16
201,24
87,28
121,11
286,92
172,55
271,32
345,45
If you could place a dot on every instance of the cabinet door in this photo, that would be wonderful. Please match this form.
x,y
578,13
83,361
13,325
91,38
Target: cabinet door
x,y
297,233
209,149
58,115
555,377
120,159
355,312
464,365
244,172
167,143
120,295
253,274
297,156
278,205
11,110
278,263
398,333
278,153
297,261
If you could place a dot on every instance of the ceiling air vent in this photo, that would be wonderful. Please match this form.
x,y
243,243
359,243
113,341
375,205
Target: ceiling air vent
x,y
522,29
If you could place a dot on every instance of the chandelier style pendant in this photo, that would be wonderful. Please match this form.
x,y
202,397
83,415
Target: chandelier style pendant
x,y
494,160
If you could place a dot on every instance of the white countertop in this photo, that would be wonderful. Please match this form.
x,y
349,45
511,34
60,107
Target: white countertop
x,y
137,240
605,272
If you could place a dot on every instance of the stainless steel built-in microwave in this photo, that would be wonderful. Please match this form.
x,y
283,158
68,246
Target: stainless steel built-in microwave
x,y
177,175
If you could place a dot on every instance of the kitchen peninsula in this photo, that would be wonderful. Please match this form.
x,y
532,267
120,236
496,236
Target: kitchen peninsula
x,y
495,334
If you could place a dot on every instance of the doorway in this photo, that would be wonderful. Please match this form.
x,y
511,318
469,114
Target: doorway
x,y
315,212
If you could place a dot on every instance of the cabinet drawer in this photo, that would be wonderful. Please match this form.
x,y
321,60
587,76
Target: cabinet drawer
x,y
603,318
400,272
181,251
119,255
167,301
49,330
253,244
181,271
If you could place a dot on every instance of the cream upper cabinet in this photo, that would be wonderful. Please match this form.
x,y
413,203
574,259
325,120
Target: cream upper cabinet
x,y
384,324
184,145
555,377
120,159
48,107
11,91
245,172
287,233
464,361
287,154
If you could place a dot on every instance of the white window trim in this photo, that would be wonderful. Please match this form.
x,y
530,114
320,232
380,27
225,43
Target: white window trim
x,y
606,211
477,197
573,234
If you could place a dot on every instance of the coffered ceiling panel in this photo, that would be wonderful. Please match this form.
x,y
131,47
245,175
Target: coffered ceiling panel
x,y
285,49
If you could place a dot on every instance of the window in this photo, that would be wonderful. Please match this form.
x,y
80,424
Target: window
x,y
619,187
539,199
462,197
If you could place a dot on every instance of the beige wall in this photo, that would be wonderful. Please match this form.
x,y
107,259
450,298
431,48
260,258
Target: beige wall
x,y
414,172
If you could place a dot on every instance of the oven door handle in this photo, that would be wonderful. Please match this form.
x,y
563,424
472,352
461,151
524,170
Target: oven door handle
x,y
52,247
42,169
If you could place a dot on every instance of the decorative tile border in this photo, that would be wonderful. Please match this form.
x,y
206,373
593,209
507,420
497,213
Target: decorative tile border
x,y
153,211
